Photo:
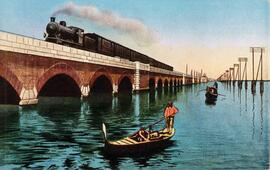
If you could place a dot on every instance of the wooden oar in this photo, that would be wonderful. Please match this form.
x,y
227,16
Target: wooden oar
x,y
154,123
221,95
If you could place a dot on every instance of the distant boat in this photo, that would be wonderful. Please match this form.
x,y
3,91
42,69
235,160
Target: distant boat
x,y
140,143
211,93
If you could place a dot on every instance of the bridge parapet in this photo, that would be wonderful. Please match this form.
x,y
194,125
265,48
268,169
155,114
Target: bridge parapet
x,y
163,71
21,44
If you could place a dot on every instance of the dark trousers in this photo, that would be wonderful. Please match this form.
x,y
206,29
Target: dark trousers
x,y
169,122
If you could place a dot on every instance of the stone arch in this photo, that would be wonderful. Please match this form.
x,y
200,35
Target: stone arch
x,y
125,84
60,85
171,84
175,83
166,84
8,94
11,78
123,76
101,84
98,73
159,84
152,84
58,68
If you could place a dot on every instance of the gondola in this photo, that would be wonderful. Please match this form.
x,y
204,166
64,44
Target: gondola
x,y
139,143
211,93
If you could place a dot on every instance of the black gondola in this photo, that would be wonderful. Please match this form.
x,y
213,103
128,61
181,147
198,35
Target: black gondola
x,y
140,143
211,93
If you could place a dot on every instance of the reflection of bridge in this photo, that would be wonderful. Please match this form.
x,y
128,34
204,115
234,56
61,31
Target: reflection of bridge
x,y
30,68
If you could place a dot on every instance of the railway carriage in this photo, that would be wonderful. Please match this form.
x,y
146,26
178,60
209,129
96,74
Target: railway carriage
x,y
75,37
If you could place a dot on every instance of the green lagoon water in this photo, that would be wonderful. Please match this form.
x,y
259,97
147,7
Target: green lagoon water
x,y
64,133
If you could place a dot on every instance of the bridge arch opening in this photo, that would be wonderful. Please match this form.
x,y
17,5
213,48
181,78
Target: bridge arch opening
x,y
178,83
151,84
175,83
60,85
102,84
8,94
125,86
171,85
159,85
166,84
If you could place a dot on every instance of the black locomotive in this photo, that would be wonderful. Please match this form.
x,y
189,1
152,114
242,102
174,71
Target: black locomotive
x,y
71,36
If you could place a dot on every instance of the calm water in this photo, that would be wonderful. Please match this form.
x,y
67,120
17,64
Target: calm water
x,y
63,133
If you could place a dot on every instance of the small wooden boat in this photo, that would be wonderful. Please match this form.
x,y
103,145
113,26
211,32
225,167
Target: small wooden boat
x,y
211,93
140,143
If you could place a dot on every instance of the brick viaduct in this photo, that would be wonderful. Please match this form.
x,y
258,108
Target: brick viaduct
x,y
30,68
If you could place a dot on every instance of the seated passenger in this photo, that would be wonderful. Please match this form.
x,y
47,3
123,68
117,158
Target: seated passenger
x,y
144,134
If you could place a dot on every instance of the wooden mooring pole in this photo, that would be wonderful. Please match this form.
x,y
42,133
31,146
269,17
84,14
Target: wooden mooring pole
x,y
262,82
236,77
239,75
253,83
260,68
243,59
231,74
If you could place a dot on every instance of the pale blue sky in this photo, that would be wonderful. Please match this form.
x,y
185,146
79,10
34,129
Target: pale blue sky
x,y
207,23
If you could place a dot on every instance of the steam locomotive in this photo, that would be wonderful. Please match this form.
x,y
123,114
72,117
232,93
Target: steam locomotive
x,y
75,37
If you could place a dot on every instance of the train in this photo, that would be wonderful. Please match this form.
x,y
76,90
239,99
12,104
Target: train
x,y
75,37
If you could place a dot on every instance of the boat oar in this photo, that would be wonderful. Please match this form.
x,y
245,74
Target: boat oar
x,y
154,123
221,94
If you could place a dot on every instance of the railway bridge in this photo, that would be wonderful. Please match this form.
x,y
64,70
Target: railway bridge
x,y
30,68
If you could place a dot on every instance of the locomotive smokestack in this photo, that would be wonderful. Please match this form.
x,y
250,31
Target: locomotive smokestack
x,y
52,19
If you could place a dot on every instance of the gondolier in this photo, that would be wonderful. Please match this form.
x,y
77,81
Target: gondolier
x,y
169,113
215,85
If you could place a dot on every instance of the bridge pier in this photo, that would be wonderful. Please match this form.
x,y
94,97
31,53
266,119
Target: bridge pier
x,y
141,76
137,77
85,90
115,89
28,96
184,80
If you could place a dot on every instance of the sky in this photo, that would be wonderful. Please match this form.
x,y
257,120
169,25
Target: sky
x,y
205,34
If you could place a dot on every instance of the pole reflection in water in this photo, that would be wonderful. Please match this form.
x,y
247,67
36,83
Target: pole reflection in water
x,y
234,93
64,133
230,87
240,100
261,113
137,105
152,98
246,91
253,115
114,103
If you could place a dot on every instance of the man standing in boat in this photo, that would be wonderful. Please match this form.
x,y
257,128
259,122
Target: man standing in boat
x,y
215,85
169,113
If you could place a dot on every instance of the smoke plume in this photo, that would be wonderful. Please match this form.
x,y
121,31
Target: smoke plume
x,y
135,28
